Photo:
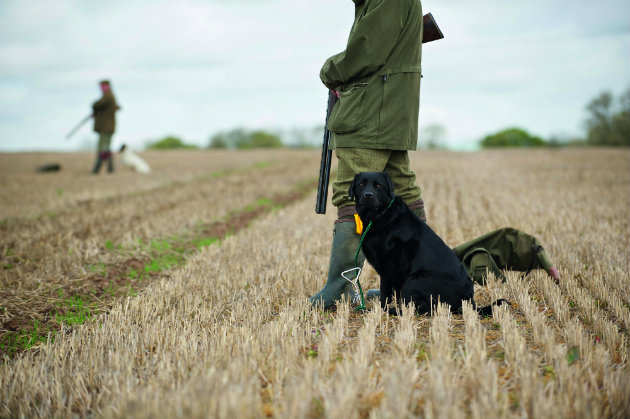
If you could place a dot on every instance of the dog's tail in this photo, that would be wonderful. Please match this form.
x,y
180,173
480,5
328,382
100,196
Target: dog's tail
x,y
487,310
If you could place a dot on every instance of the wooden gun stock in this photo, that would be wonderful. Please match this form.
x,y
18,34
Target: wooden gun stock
x,y
431,31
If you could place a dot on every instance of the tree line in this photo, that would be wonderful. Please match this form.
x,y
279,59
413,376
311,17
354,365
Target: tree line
x,y
244,139
607,124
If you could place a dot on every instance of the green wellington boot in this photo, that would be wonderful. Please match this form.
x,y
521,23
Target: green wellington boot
x,y
344,248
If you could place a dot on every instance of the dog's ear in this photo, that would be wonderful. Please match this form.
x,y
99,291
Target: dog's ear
x,y
351,191
390,185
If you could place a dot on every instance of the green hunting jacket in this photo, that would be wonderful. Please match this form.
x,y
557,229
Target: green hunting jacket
x,y
378,77
105,113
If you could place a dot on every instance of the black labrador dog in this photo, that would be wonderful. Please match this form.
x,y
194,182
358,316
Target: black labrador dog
x,y
409,256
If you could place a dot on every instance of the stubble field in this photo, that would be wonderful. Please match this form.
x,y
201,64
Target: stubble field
x,y
184,293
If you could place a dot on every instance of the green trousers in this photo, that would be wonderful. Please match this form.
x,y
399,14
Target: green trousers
x,y
103,153
104,142
358,160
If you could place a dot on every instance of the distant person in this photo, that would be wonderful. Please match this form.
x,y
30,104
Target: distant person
x,y
104,113
131,159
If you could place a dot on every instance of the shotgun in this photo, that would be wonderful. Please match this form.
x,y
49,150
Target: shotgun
x,y
79,125
324,167
430,32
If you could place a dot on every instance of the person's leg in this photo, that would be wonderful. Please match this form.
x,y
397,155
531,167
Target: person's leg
x,y
404,180
97,164
350,162
110,162
106,150
101,149
405,186
345,237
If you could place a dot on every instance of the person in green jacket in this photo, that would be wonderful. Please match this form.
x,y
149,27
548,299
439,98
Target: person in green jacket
x,y
375,121
104,113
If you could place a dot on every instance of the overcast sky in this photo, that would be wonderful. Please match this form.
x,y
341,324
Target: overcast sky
x,y
194,68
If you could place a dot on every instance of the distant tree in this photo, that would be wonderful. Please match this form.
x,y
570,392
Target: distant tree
x,y
262,139
303,137
169,142
241,139
218,142
432,136
228,139
608,124
512,137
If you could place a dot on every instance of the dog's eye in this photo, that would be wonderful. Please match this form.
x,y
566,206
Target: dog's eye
x,y
360,185
378,186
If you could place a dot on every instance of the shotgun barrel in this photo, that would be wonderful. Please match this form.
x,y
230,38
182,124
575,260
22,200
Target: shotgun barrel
x,y
324,167
79,125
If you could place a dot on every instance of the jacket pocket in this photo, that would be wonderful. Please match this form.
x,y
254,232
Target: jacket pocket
x,y
348,115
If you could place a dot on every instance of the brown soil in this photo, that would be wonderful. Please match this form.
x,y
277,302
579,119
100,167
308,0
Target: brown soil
x,y
68,246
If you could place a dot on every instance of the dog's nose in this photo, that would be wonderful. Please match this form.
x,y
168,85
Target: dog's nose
x,y
368,195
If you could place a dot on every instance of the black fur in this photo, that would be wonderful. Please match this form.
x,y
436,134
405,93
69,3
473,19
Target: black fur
x,y
411,259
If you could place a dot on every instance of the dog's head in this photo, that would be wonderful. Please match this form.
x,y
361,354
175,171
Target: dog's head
x,y
372,191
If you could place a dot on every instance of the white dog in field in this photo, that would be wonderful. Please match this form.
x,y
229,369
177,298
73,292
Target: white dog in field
x,y
131,159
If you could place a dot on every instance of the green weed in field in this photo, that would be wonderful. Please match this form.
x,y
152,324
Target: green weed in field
x,y
74,310
421,354
161,245
98,268
549,372
23,339
207,241
132,292
110,289
263,202
8,253
318,407
573,355
163,262
220,173
259,203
